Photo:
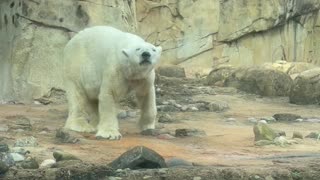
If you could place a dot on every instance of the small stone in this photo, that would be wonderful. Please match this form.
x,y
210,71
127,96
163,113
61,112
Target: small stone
x,y
299,120
313,135
26,142
174,162
263,132
165,103
165,136
178,106
184,108
47,163
165,118
147,177
194,109
30,163
257,177
3,167
252,120
263,143
139,157
17,157
66,136
122,115
217,106
269,119
189,132
150,132
287,117
297,134
62,156
263,121
4,147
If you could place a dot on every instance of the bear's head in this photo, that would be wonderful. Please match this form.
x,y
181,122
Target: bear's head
x,y
142,57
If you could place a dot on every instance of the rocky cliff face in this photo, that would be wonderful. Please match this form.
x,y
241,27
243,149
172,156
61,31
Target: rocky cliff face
x,y
196,34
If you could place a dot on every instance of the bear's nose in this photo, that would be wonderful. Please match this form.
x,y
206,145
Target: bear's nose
x,y
146,55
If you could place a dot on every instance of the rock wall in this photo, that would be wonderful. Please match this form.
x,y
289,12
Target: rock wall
x,y
196,34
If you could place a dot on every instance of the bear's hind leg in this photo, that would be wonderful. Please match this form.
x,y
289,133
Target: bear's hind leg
x,y
78,110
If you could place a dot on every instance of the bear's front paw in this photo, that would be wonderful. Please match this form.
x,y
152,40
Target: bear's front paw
x,y
108,134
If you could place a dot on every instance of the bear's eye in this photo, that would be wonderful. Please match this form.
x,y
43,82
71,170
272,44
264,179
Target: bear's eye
x,y
138,49
154,50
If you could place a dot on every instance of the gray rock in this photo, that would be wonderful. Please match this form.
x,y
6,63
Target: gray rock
x,y
263,121
26,142
7,159
4,147
20,122
139,157
62,156
287,117
17,157
30,163
122,115
165,118
217,106
193,108
313,135
263,132
297,134
3,167
66,136
174,162
189,132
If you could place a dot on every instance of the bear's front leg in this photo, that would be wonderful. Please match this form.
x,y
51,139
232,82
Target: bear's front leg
x,y
147,102
108,127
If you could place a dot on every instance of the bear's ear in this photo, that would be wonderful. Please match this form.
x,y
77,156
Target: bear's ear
x,y
159,49
125,52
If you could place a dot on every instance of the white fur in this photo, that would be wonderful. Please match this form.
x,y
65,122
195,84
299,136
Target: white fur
x,y
101,66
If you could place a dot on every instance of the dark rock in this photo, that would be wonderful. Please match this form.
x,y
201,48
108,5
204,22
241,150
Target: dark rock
x,y
297,135
313,135
4,147
62,156
288,117
263,132
26,142
30,163
139,157
20,122
7,159
189,132
3,167
165,118
171,71
305,88
174,162
66,136
260,80
151,132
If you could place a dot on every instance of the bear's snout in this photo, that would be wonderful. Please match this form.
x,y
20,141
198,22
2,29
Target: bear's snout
x,y
145,58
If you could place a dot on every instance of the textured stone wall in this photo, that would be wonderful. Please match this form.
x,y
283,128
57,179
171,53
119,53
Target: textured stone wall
x,y
196,34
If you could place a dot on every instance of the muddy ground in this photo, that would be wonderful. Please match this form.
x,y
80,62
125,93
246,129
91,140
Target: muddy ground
x,y
227,151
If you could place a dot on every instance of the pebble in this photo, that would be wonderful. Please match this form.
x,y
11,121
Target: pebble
x,y
299,120
47,163
184,108
263,121
194,109
178,106
26,142
252,120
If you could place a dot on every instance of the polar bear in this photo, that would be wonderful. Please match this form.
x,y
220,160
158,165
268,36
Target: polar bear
x,y
102,65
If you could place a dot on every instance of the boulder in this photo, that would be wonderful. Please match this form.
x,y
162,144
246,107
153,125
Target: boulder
x,y
139,157
305,88
263,132
260,80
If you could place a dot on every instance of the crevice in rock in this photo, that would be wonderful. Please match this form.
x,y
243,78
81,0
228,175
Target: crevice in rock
x,y
39,23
